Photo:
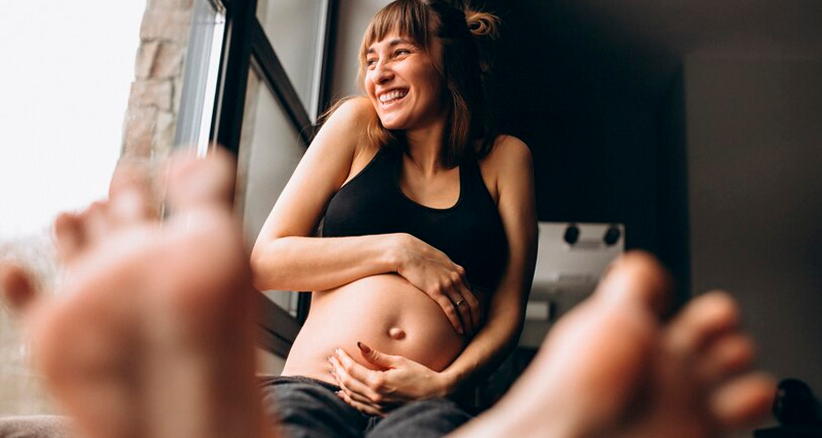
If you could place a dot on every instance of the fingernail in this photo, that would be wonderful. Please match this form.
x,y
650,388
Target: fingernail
x,y
364,348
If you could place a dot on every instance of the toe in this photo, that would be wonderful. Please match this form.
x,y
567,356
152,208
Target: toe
x,y
17,287
69,236
743,401
727,356
130,194
96,222
195,182
637,278
703,320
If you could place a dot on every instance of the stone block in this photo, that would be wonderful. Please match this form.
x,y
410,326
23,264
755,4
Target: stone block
x,y
146,56
164,133
159,60
138,134
168,62
151,92
165,25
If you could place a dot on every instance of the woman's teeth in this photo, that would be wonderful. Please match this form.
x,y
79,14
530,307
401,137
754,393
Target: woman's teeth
x,y
392,96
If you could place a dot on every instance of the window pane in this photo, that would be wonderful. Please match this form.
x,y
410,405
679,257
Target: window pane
x,y
270,149
295,30
202,69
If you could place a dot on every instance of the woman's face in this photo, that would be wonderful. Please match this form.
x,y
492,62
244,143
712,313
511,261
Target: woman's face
x,y
403,83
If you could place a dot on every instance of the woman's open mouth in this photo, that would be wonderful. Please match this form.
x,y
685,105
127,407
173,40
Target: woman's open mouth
x,y
392,97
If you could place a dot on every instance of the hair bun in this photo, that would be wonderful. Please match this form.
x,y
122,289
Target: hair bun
x,y
485,29
482,24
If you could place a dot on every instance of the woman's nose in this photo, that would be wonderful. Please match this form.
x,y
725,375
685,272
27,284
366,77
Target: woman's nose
x,y
382,74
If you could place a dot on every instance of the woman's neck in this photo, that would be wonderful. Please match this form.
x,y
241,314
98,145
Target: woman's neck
x,y
425,147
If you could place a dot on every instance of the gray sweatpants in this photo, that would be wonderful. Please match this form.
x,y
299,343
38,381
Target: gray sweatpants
x,y
309,408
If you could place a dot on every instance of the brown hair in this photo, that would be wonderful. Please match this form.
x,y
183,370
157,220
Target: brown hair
x,y
466,36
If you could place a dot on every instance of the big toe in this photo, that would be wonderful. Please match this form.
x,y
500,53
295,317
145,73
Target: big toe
x,y
637,279
194,182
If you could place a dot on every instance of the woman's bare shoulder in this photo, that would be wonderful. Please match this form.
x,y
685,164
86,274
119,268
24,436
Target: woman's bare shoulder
x,y
345,126
354,111
508,154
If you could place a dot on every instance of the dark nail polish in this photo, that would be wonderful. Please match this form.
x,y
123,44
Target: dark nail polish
x,y
364,348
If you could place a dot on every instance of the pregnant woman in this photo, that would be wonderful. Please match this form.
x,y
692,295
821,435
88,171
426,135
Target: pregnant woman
x,y
428,234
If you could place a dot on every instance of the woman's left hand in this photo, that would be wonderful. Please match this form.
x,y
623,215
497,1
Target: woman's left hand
x,y
374,392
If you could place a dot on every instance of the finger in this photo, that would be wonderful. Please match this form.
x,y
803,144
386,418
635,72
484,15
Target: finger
x,y
362,407
337,377
386,361
469,308
463,311
474,307
352,383
371,378
448,307
358,397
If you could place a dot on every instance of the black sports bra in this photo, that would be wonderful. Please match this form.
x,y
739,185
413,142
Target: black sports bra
x,y
470,232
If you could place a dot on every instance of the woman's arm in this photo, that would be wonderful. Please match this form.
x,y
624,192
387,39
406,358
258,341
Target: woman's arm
x,y
403,379
286,256
517,207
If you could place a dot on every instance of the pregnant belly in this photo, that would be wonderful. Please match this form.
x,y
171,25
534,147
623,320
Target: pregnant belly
x,y
383,311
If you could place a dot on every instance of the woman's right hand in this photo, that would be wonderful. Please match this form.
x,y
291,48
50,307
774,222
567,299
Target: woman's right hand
x,y
431,271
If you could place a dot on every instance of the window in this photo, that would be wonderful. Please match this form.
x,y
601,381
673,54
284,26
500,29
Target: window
x,y
268,89
200,78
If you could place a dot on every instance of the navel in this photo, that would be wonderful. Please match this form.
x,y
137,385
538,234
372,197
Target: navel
x,y
396,333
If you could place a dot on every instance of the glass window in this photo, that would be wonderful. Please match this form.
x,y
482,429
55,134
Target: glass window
x,y
202,70
270,150
295,29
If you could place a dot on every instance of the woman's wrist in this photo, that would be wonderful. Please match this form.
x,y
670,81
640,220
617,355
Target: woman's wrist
x,y
447,383
396,253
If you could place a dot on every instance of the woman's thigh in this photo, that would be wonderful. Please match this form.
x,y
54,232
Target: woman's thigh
x,y
307,408
431,418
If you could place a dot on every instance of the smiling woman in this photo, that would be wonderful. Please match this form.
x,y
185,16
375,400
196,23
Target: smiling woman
x,y
423,203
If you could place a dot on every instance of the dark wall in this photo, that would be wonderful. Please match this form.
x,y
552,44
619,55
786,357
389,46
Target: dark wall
x,y
594,135
755,160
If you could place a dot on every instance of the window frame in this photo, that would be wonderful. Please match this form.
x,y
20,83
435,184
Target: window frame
x,y
246,46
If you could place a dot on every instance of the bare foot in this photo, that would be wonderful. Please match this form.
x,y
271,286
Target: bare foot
x,y
152,335
612,368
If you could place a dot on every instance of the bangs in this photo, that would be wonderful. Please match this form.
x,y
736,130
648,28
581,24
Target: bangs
x,y
406,17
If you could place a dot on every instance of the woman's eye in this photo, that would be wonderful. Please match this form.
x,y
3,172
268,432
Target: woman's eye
x,y
370,62
402,52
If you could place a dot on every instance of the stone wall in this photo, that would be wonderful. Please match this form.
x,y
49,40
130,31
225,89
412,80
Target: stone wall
x,y
155,93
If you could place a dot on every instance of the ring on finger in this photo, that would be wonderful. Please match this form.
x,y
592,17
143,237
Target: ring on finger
x,y
459,302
